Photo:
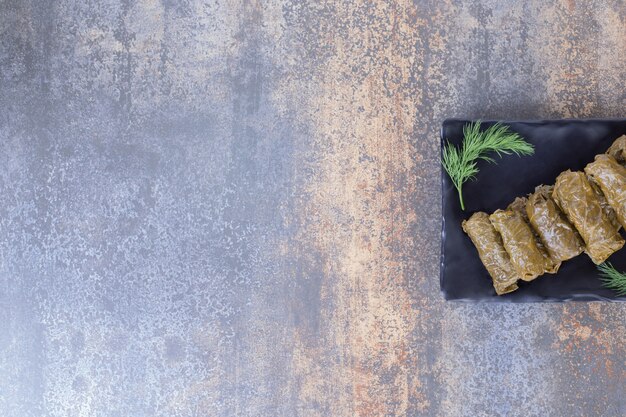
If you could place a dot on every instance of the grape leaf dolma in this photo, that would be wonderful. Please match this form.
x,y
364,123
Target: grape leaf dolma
x,y
611,178
551,265
560,238
576,198
606,207
521,245
491,252
519,205
618,150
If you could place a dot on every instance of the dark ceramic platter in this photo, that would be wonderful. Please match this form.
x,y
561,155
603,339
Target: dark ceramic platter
x,y
559,145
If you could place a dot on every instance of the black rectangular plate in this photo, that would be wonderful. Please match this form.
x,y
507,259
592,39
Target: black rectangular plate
x,y
559,145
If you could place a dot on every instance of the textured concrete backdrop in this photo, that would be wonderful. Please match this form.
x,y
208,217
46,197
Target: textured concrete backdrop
x,y
231,208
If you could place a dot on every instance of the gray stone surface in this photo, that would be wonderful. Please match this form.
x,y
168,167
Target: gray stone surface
x,y
231,208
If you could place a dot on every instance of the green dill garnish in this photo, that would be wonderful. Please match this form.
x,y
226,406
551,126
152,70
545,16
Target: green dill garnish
x,y
613,279
460,163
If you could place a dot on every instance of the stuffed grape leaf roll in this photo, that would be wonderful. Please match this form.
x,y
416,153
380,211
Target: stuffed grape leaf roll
x,y
520,243
576,198
519,205
618,150
551,265
611,178
606,207
491,252
558,235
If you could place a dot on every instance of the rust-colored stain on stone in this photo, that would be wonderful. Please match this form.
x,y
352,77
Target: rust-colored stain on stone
x,y
396,70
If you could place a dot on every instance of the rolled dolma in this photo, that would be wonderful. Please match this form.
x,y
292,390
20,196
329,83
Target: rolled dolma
x,y
576,198
551,265
618,150
491,252
611,178
520,243
558,235
606,207
519,205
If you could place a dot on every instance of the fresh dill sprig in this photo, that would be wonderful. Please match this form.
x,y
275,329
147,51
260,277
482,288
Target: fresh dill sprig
x,y
460,163
612,278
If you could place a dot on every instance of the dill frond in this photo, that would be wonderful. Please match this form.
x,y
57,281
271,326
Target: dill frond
x,y
613,279
461,163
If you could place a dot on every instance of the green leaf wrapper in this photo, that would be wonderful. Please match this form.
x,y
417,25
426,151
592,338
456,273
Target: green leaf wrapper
x,y
578,200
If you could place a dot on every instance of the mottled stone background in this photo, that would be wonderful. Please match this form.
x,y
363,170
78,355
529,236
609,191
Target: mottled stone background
x,y
232,208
